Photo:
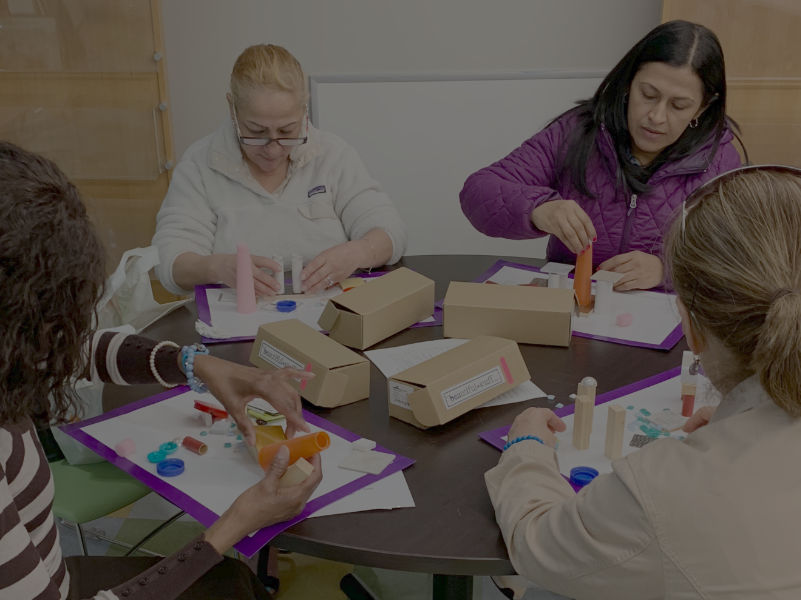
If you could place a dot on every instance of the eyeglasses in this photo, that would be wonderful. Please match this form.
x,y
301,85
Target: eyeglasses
x,y
285,142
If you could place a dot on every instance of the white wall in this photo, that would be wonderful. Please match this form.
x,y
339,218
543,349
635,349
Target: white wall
x,y
394,38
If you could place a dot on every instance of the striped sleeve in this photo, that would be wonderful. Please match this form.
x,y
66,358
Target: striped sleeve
x,y
30,554
124,359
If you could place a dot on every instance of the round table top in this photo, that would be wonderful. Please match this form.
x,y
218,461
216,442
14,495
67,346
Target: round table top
x,y
452,529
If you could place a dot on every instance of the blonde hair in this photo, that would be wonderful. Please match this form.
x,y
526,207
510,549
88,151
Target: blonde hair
x,y
268,65
735,260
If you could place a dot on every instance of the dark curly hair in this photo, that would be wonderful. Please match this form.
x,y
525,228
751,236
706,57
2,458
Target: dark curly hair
x,y
51,275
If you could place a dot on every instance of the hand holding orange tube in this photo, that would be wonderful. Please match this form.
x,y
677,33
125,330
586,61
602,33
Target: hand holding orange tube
x,y
303,446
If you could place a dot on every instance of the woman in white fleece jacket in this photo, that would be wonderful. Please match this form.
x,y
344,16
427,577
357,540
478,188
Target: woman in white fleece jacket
x,y
267,179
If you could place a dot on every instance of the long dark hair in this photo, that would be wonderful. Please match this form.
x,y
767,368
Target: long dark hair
x,y
51,275
678,44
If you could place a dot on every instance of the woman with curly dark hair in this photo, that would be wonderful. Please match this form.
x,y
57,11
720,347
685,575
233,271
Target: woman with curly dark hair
x,y
51,275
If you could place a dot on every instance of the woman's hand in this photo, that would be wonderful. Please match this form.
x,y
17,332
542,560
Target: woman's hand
x,y
222,268
700,418
235,385
566,220
333,265
540,422
641,271
264,503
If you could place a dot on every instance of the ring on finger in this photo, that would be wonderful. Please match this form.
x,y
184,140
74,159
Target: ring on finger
x,y
328,281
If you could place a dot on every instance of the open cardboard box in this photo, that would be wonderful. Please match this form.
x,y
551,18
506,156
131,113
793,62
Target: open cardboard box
x,y
370,313
531,315
340,375
449,385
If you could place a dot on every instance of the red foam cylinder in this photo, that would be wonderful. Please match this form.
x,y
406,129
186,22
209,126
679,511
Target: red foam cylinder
x,y
194,445
304,446
582,283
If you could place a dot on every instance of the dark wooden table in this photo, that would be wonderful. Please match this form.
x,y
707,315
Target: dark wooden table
x,y
452,531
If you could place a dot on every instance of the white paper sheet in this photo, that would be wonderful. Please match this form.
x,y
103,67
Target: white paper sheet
x,y
391,361
390,492
228,323
662,401
512,276
654,314
216,478
558,268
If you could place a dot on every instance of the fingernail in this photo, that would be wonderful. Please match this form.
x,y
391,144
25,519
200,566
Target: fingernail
x,y
595,239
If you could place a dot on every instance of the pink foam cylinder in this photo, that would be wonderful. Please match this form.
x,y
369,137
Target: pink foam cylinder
x,y
125,448
245,291
624,319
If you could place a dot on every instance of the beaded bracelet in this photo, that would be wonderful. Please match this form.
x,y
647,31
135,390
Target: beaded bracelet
x,y
188,354
520,439
152,361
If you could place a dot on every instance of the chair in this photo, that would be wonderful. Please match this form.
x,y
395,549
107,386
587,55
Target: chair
x,y
84,493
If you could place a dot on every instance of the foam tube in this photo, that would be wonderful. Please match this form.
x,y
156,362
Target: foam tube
x,y
279,275
245,290
304,446
582,283
297,267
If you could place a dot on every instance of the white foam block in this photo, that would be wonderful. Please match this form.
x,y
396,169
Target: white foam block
x,y
603,297
363,444
558,268
367,461
607,276
297,267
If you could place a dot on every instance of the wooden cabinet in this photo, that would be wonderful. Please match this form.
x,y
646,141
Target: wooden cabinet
x,y
762,48
83,82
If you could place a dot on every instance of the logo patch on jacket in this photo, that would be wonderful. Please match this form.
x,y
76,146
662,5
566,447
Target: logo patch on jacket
x,y
320,189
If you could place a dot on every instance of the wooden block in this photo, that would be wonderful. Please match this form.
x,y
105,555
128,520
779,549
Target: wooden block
x,y
587,387
615,426
582,422
296,473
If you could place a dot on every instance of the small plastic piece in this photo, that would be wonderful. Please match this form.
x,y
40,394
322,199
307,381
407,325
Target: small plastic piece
x,y
168,447
624,319
581,476
156,456
215,411
286,306
172,467
125,448
245,289
194,445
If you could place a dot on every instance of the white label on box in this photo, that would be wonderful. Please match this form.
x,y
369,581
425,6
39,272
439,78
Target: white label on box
x,y
277,358
399,394
462,392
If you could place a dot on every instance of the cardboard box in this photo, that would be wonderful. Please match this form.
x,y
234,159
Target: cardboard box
x,y
370,313
449,385
340,375
531,315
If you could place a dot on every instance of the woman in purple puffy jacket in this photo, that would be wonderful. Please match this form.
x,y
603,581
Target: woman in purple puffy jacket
x,y
612,171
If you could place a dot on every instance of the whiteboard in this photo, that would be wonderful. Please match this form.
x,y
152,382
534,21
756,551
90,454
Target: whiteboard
x,y
421,138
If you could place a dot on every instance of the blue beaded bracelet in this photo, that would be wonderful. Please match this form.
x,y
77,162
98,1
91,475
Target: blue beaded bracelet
x,y
520,439
188,354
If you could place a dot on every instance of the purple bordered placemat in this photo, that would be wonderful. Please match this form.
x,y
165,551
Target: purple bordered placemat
x,y
204,313
670,340
250,544
494,437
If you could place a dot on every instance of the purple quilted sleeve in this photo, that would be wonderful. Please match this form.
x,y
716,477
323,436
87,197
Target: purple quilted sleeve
x,y
498,199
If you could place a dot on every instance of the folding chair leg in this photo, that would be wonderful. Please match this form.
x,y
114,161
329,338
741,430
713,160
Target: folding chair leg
x,y
81,539
150,535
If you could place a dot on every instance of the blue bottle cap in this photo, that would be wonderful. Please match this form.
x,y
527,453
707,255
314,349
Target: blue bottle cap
x,y
286,305
168,447
156,457
171,467
581,476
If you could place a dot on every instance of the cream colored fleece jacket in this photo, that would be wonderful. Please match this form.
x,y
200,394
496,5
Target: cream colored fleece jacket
x,y
214,203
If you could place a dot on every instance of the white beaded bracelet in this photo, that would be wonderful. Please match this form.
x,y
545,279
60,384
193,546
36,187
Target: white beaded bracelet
x,y
152,362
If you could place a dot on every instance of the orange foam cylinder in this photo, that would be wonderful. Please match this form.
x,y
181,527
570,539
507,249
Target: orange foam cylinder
x,y
194,445
304,446
582,283
687,405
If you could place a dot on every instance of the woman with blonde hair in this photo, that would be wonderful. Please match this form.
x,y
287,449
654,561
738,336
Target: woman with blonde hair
x,y
270,180
714,515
